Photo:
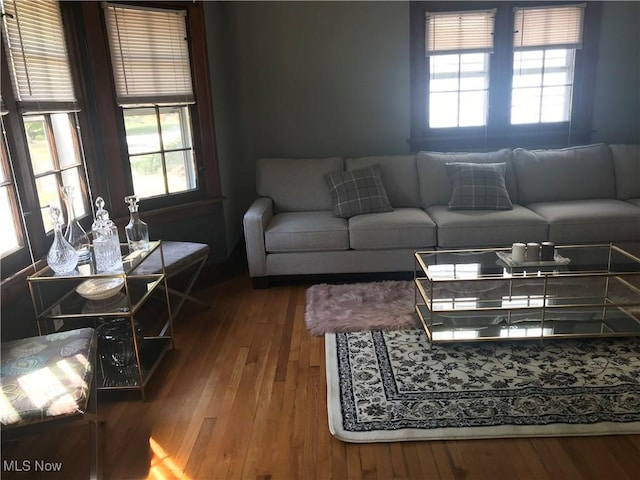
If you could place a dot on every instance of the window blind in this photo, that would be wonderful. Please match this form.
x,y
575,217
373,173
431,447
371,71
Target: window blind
x,y
459,32
149,54
37,51
556,26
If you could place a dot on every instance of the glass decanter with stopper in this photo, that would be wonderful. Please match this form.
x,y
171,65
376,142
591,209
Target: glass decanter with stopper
x,y
62,257
74,233
106,243
136,230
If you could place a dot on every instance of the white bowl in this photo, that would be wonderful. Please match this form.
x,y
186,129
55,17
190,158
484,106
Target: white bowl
x,y
100,288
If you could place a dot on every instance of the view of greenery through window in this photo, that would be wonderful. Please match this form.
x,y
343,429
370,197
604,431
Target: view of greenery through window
x,y
55,161
160,150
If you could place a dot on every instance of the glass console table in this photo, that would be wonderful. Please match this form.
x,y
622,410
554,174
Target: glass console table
x,y
476,295
135,300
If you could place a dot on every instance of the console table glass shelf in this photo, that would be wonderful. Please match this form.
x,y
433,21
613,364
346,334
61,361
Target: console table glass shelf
x,y
140,301
474,295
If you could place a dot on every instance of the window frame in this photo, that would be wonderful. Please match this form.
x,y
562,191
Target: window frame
x,y
499,132
109,117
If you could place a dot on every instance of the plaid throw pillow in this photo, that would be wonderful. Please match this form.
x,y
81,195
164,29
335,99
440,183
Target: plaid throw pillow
x,y
358,191
478,186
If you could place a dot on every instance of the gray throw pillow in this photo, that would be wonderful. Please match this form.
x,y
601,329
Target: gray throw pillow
x,y
478,186
356,192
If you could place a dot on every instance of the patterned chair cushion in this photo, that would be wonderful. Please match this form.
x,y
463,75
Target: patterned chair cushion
x,y
46,377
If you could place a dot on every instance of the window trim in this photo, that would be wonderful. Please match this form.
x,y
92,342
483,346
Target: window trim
x,y
499,133
109,120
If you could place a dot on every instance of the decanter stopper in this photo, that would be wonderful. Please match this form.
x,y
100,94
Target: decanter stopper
x,y
62,257
106,244
136,230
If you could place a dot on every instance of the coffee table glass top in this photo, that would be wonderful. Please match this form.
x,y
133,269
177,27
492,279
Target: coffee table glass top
x,y
589,290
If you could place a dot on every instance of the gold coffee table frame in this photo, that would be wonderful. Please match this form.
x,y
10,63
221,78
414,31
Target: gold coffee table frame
x,y
474,295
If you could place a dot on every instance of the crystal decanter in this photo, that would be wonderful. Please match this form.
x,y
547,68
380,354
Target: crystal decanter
x,y
62,257
106,244
74,233
136,230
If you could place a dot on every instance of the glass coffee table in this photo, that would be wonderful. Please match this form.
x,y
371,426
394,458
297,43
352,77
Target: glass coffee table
x,y
480,294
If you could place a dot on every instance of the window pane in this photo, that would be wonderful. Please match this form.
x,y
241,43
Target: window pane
x,y
525,105
71,177
39,148
141,127
472,108
444,85
48,194
528,60
473,62
180,171
148,177
443,110
473,83
551,69
64,135
9,239
558,58
530,80
444,64
466,78
176,127
554,78
554,104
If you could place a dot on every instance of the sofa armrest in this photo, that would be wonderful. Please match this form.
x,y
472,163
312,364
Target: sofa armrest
x,y
255,221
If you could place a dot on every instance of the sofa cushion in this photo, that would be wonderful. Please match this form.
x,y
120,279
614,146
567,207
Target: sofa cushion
x,y
585,221
487,228
626,165
402,228
357,191
399,176
478,186
434,181
296,185
306,232
575,173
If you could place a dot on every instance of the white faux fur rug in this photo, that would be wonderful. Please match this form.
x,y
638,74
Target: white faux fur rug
x,y
387,305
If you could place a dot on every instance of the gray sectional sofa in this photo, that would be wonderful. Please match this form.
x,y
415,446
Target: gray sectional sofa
x,y
585,194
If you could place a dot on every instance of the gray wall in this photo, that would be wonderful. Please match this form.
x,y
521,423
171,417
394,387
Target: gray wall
x,y
313,79
616,103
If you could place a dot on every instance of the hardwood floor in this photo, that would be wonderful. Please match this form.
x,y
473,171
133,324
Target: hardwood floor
x,y
243,395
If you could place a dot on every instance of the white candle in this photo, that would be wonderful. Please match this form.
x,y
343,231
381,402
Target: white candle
x,y
518,252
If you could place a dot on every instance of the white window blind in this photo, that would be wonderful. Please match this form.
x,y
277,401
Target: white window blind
x,y
149,54
34,38
543,27
459,32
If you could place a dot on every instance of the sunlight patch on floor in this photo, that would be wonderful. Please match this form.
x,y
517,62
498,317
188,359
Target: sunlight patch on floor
x,y
162,465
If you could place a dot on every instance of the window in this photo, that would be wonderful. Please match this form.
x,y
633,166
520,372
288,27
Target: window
x,y
40,124
498,74
545,42
55,161
152,75
11,238
458,45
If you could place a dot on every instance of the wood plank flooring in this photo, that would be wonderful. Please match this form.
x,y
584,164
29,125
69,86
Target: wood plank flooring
x,y
243,396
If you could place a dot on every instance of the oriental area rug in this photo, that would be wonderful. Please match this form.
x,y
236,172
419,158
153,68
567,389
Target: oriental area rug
x,y
386,386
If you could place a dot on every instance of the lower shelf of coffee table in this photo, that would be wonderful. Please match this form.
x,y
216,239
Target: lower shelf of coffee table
x,y
502,324
111,377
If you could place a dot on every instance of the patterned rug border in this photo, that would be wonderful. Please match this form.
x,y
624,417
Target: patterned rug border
x,y
336,418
